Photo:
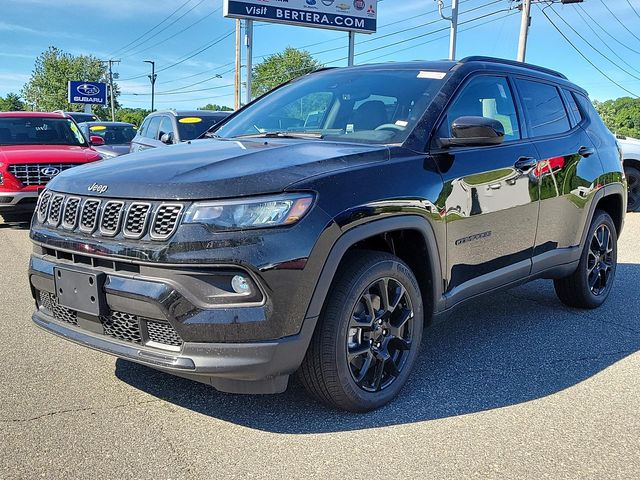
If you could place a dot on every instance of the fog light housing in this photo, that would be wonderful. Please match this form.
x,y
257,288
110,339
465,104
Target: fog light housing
x,y
241,285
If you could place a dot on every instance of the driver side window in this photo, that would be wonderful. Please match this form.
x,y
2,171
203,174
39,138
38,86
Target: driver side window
x,y
484,96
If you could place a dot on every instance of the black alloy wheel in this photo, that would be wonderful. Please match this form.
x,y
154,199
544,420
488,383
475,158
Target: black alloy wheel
x,y
590,284
600,260
380,334
368,334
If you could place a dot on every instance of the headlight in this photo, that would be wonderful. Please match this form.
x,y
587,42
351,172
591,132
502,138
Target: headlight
x,y
258,212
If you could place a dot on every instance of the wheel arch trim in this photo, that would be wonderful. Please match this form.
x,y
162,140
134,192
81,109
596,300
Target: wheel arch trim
x,y
371,229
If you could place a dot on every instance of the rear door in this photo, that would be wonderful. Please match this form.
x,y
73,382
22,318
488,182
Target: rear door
x,y
567,173
491,206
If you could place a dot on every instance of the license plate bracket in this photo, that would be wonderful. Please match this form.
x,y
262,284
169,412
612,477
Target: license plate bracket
x,y
80,290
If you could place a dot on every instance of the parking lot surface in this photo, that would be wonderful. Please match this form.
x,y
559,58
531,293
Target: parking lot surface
x,y
514,385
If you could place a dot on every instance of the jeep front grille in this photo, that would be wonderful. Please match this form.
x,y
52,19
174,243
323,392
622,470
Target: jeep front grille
x,y
38,174
109,218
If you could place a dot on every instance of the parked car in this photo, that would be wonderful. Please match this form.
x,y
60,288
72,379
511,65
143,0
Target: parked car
x,y
116,136
631,157
277,248
168,127
34,148
79,117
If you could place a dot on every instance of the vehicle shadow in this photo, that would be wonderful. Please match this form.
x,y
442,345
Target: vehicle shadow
x,y
19,222
505,349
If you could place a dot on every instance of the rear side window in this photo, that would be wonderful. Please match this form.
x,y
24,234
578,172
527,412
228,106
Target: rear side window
x,y
544,108
573,106
152,130
143,127
484,96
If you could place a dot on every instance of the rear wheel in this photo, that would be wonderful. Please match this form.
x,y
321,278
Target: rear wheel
x,y
590,284
368,335
633,185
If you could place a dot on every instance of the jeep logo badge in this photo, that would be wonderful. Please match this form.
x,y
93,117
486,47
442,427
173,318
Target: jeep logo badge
x,y
96,187
49,171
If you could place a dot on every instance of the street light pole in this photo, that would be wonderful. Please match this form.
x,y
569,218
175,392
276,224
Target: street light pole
x,y
152,77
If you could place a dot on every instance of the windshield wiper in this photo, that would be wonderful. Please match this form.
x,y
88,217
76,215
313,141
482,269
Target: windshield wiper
x,y
282,134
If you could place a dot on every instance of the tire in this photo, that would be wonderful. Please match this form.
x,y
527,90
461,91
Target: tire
x,y
360,356
599,256
633,184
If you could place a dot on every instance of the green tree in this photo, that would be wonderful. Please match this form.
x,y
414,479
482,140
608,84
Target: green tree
x,y
216,108
11,103
46,90
622,115
132,115
280,68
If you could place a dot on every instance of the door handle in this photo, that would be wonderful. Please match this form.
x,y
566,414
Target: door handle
x,y
586,151
525,164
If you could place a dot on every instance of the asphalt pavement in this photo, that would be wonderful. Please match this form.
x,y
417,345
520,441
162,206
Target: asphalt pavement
x,y
514,386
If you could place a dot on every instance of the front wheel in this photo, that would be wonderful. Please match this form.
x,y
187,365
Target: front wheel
x,y
368,336
590,284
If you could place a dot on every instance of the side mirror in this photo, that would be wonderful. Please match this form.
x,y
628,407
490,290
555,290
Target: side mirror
x,y
167,138
96,140
474,132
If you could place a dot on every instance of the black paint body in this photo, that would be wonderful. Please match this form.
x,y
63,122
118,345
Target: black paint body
x,y
469,219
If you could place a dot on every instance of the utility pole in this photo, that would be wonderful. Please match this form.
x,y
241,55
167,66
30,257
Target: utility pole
x,y
524,29
113,105
453,32
152,77
237,94
248,40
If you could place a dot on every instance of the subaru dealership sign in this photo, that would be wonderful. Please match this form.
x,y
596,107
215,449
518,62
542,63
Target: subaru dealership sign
x,y
88,93
351,15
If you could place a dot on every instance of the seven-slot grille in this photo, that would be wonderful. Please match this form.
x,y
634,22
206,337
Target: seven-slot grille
x,y
38,173
108,218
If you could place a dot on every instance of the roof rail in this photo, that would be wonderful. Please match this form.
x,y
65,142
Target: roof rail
x,y
513,63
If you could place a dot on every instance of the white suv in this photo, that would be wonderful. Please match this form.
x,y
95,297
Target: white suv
x,y
631,155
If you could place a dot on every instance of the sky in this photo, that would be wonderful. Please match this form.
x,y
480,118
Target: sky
x,y
407,30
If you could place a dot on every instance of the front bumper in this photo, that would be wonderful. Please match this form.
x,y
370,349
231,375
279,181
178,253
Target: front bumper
x,y
152,318
18,201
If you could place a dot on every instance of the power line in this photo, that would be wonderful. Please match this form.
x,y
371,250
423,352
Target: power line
x,y
619,42
605,43
619,21
153,28
160,31
584,56
633,8
189,56
591,45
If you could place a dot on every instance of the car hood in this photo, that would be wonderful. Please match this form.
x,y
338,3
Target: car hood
x,y
209,169
11,154
120,149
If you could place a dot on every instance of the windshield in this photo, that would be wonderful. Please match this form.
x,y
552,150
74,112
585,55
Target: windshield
x,y
373,106
114,134
190,128
40,131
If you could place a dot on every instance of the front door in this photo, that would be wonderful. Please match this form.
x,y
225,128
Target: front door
x,y
490,195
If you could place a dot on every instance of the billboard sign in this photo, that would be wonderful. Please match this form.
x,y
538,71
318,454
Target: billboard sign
x,y
348,15
88,93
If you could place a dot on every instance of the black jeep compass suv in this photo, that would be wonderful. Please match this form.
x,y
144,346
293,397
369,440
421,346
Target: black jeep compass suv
x,y
322,226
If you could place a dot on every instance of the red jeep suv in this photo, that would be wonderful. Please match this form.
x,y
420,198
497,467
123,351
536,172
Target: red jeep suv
x,y
34,148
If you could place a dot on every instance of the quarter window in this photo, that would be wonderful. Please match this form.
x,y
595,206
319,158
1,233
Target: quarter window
x,y
544,108
484,96
573,106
